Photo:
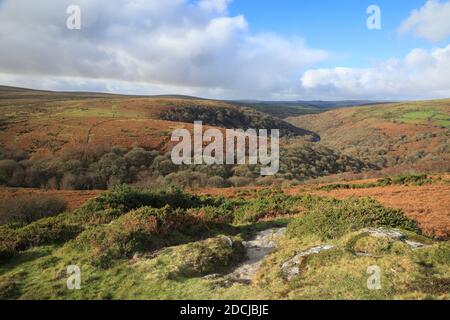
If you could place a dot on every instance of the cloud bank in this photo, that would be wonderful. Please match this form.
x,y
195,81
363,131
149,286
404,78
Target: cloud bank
x,y
195,47
421,74
177,45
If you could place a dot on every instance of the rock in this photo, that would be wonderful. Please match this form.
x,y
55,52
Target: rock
x,y
257,249
381,232
291,268
228,240
414,245
390,234
212,276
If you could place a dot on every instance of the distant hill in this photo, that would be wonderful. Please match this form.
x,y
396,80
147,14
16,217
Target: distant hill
x,y
48,121
285,109
407,133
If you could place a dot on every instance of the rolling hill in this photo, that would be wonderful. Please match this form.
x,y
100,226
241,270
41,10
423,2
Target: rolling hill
x,y
71,140
413,135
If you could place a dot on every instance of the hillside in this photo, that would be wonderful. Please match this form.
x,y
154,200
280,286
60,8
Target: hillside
x,y
260,244
405,134
94,141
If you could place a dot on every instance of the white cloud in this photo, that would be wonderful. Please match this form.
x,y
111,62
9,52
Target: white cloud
x,y
421,74
194,47
431,22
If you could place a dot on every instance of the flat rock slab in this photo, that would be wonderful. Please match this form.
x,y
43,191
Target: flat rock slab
x,y
291,268
381,232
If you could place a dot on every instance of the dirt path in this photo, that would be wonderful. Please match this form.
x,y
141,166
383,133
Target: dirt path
x,y
257,249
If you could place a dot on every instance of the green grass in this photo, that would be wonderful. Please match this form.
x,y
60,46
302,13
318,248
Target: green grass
x,y
429,115
148,250
97,113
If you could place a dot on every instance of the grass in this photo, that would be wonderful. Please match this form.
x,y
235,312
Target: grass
x,y
150,245
92,112
428,115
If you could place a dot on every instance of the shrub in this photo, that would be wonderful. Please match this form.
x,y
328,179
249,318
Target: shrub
x,y
46,231
24,209
213,214
125,198
144,229
414,179
8,242
266,204
332,219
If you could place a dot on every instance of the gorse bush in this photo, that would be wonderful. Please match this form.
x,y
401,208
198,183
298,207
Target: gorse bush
x,y
125,198
26,209
266,205
102,210
143,229
215,214
332,219
414,179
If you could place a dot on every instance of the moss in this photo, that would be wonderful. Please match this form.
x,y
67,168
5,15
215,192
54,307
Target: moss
x,y
377,245
209,256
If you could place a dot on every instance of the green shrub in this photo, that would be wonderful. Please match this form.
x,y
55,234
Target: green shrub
x,y
266,204
332,219
141,230
418,179
46,231
26,209
125,198
214,214
413,179
8,242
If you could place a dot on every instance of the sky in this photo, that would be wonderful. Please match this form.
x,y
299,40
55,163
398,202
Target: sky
x,y
241,49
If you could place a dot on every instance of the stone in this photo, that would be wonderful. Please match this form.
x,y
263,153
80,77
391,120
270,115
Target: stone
x,y
212,276
257,249
291,268
381,232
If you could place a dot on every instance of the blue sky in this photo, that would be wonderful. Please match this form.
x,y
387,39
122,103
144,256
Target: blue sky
x,y
230,49
337,26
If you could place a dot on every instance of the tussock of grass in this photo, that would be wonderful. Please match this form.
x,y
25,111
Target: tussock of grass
x,y
205,257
